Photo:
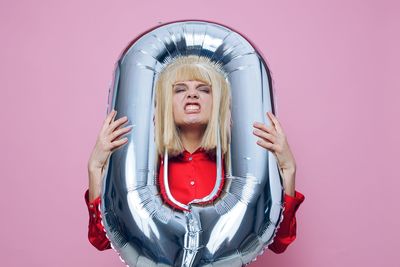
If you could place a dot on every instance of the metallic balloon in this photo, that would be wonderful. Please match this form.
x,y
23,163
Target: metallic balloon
x,y
243,220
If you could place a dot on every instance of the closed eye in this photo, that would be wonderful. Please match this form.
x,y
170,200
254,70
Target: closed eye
x,y
205,89
179,89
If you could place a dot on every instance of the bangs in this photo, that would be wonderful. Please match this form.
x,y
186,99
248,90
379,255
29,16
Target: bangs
x,y
187,72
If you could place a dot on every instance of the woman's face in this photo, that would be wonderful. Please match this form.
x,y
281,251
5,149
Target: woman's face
x,y
192,104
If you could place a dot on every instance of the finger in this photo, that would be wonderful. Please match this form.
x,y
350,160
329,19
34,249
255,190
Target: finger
x,y
266,145
269,129
264,135
274,121
110,117
116,144
121,125
117,123
119,132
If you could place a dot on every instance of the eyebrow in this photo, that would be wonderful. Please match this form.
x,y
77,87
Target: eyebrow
x,y
202,84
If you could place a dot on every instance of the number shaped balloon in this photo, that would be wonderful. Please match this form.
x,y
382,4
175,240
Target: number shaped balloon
x,y
243,220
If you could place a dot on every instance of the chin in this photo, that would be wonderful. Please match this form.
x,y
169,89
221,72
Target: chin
x,y
193,124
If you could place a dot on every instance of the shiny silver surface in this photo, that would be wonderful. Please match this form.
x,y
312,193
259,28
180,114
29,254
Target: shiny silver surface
x,y
244,219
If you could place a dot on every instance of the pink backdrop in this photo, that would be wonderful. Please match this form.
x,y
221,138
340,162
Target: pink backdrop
x,y
334,66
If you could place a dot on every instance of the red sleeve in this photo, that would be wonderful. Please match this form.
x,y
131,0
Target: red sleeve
x,y
286,232
96,234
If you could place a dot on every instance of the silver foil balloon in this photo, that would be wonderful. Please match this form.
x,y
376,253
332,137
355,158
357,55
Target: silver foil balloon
x,y
240,223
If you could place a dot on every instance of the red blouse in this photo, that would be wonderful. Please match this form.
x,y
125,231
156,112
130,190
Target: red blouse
x,y
192,176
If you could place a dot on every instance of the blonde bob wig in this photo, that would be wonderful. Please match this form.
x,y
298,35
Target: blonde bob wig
x,y
185,68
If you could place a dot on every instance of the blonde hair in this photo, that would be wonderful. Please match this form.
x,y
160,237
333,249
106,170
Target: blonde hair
x,y
201,69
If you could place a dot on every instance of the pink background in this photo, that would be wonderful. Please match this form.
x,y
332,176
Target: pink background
x,y
334,65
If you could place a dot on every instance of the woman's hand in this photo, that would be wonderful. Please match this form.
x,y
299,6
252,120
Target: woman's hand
x,y
274,139
108,141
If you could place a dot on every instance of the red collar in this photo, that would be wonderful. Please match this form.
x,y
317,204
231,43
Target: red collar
x,y
200,153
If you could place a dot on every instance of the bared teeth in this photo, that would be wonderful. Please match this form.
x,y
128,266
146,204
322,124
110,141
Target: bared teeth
x,y
192,107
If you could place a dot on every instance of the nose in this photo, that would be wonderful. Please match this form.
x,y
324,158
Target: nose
x,y
192,93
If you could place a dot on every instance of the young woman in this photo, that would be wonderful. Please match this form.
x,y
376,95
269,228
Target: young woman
x,y
192,100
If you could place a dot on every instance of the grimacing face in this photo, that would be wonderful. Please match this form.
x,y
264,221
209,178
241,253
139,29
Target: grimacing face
x,y
192,104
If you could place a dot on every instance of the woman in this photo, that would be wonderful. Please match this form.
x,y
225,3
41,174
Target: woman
x,y
192,103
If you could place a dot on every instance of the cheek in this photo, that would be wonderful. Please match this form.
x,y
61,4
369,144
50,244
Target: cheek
x,y
175,104
209,105
176,110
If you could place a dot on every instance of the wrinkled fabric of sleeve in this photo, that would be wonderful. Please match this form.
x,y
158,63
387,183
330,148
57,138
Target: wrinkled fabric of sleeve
x,y
96,232
286,232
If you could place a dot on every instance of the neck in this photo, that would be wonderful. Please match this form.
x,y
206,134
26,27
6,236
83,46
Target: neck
x,y
191,138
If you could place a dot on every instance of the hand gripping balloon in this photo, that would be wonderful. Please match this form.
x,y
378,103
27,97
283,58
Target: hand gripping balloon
x,y
230,230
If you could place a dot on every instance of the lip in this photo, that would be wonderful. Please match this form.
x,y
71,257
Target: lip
x,y
192,111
